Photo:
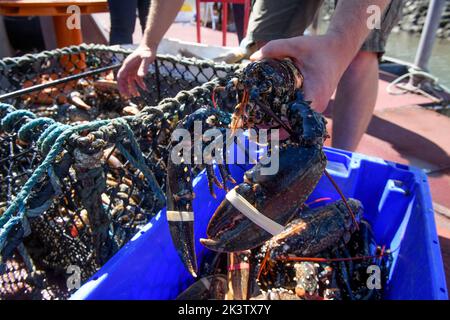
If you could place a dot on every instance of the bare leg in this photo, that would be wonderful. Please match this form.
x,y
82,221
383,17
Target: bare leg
x,y
355,100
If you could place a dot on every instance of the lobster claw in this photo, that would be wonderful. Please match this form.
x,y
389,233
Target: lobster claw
x,y
181,226
181,220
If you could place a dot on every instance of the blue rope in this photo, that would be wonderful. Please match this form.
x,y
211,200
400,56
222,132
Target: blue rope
x,y
51,142
45,134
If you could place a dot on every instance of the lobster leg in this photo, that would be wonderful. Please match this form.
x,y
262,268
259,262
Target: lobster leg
x,y
350,265
345,279
333,292
226,175
212,180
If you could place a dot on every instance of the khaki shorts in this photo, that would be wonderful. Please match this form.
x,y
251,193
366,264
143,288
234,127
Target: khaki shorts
x,y
280,19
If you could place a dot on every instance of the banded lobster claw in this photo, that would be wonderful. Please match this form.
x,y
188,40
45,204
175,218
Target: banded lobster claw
x,y
180,216
277,197
180,194
182,223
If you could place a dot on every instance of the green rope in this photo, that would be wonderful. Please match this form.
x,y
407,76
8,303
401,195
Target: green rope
x,y
11,223
12,118
49,136
53,140
138,161
46,133
55,150
25,132
6,108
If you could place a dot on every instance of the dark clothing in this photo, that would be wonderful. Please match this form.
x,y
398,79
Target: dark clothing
x,y
238,13
123,19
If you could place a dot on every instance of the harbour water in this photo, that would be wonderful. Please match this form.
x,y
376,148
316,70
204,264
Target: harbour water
x,y
403,45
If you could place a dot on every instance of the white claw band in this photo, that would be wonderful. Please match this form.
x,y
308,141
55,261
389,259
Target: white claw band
x,y
246,208
180,216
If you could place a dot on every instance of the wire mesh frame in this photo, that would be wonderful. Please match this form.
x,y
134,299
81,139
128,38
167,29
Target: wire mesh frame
x,y
166,78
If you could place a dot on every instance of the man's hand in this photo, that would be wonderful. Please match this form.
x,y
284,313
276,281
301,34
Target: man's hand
x,y
324,59
318,59
134,69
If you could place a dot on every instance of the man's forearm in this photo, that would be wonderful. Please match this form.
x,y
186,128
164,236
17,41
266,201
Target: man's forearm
x,y
162,13
349,26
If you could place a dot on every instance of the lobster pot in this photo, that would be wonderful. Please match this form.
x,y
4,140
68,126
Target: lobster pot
x,y
78,182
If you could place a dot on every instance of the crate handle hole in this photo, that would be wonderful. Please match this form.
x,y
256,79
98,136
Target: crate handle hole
x,y
443,290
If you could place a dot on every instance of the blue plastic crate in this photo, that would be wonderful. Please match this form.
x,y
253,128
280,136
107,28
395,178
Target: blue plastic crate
x,y
397,203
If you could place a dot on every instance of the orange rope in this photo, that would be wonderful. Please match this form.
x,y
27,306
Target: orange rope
x,y
319,200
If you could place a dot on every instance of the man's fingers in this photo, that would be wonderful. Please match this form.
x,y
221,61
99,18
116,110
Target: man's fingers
x,y
123,76
142,71
122,83
319,100
282,48
141,83
143,67
256,55
131,85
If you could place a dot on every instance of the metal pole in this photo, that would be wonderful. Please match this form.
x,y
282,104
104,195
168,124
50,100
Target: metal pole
x,y
428,36
53,83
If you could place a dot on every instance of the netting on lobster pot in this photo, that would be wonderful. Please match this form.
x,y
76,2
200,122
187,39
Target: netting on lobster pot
x,y
74,191
77,83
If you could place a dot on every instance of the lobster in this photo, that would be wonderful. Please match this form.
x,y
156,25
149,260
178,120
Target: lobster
x,y
270,95
325,253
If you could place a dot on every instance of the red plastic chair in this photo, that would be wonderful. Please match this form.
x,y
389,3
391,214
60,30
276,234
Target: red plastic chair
x,y
225,3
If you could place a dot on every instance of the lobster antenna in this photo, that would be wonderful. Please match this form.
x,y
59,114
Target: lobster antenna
x,y
342,197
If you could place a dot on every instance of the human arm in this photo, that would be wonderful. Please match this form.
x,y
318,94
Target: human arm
x,y
162,13
323,59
